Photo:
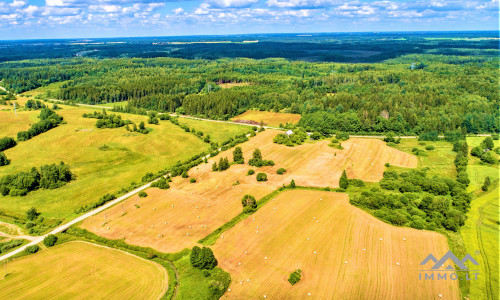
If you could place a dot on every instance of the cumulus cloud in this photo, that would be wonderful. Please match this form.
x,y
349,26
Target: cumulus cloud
x,y
301,3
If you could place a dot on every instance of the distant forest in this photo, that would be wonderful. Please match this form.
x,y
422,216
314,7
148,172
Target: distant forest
x,y
408,94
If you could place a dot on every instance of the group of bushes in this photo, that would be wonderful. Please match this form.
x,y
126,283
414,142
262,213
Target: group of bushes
x,y
48,177
161,183
48,120
107,121
205,138
6,143
484,151
298,137
3,159
390,139
461,161
6,246
141,129
222,166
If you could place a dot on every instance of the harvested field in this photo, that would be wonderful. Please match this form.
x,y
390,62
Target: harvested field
x,y
309,165
342,251
269,118
84,271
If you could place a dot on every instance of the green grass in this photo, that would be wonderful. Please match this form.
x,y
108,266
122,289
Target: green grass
x,y
123,103
129,157
439,161
474,141
218,131
193,285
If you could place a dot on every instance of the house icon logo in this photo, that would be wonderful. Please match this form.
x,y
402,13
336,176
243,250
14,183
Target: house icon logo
x,y
449,272
449,256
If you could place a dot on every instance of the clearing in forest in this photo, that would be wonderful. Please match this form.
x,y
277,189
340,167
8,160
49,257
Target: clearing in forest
x,y
342,251
171,220
269,118
82,270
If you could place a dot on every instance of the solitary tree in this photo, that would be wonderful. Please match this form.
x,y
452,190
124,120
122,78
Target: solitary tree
x,y
141,126
486,185
3,159
292,184
32,214
249,201
238,156
344,182
215,167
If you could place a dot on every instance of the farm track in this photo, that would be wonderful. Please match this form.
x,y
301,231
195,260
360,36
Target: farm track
x,y
487,265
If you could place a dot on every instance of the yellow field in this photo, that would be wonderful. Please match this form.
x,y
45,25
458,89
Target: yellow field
x,y
269,118
232,84
127,158
343,252
80,270
192,211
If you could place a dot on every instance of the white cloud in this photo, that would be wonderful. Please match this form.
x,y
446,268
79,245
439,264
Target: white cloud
x,y
105,8
300,3
232,3
178,10
203,9
17,4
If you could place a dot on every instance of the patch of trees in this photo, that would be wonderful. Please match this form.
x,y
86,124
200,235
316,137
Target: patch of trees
x,y
202,258
391,139
48,120
257,160
161,184
484,151
107,121
34,104
32,249
461,161
222,166
6,143
295,277
343,181
298,137
281,171
413,199
48,177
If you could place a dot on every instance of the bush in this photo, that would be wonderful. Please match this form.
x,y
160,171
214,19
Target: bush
x,y
32,214
488,158
342,136
295,277
50,240
486,184
429,136
6,143
387,165
262,177
250,172
3,159
281,171
205,273
161,184
184,174
495,137
192,180
430,147
142,194
32,249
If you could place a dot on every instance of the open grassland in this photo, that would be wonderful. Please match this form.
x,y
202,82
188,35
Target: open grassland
x,y
269,118
219,132
84,271
343,253
439,161
126,158
473,141
10,124
170,220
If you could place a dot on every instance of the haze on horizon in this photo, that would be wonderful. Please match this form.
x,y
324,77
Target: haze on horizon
x,y
42,19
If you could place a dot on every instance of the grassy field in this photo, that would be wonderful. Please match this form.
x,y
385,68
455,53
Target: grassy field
x,y
113,104
127,157
439,161
84,271
218,131
177,218
269,118
343,253
481,230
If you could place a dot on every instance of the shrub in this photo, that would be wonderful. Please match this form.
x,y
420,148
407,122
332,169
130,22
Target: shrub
x,y
262,177
151,254
3,159
184,174
387,165
281,171
342,136
32,249
50,240
488,158
192,180
429,136
292,184
142,194
250,172
205,273
430,147
216,287
495,137
486,184
161,184
32,214
295,277
238,156
6,143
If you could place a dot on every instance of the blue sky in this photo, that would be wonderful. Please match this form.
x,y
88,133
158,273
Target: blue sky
x,y
31,19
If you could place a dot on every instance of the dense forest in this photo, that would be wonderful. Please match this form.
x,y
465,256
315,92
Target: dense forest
x,y
409,94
